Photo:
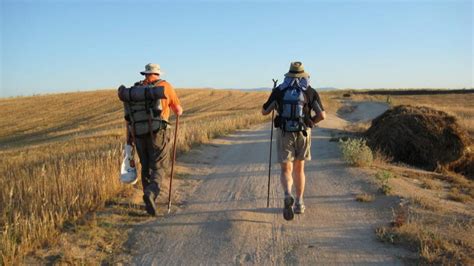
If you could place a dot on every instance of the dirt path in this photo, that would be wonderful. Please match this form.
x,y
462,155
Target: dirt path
x,y
224,221
362,111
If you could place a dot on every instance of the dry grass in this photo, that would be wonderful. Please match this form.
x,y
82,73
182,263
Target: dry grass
x,y
433,242
60,154
427,203
429,183
456,195
437,221
438,230
364,197
357,127
96,238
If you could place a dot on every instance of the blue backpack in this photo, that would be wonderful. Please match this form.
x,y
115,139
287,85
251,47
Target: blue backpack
x,y
292,109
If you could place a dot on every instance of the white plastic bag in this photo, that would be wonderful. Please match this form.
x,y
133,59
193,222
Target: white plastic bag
x,y
128,172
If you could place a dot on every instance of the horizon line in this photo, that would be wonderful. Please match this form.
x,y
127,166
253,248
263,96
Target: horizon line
x,y
326,89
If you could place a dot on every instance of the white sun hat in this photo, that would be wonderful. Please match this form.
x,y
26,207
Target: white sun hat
x,y
152,69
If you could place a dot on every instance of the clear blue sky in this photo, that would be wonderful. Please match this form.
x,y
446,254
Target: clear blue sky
x,y
51,46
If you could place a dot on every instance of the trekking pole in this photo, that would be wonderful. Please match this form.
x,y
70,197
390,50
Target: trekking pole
x,y
271,144
172,163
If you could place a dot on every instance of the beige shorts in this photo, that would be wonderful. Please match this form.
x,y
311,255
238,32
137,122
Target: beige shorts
x,y
293,146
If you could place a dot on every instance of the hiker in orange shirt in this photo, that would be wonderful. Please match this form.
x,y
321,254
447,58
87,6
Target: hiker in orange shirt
x,y
151,133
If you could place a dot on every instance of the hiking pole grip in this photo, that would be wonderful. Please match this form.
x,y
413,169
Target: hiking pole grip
x,y
173,162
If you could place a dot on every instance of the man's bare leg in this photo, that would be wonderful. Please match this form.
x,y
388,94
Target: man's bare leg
x,y
287,183
286,178
300,180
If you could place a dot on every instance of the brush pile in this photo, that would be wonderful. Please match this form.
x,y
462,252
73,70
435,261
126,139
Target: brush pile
x,y
422,137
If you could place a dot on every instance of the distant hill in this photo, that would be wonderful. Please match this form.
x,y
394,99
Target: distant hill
x,y
269,89
413,91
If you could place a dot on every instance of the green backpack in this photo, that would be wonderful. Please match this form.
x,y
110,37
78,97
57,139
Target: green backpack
x,y
142,105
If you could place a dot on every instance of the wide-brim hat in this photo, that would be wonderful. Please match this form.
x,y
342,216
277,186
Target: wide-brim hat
x,y
152,69
297,71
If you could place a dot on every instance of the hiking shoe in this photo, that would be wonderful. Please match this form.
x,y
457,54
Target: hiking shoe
x,y
299,208
288,213
150,206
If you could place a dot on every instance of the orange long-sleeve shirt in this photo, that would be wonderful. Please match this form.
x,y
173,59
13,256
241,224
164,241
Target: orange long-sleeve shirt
x,y
171,101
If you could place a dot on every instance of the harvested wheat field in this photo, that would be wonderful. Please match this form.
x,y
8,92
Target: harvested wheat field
x,y
60,155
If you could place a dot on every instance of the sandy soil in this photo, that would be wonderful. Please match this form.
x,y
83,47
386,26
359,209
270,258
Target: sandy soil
x,y
361,111
225,220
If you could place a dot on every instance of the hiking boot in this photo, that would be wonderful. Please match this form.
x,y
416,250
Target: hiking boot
x,y
288,213
299,208
150,205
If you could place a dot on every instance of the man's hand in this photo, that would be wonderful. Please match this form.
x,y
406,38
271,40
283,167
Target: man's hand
x,y
319,117
129,136
264,112
178,110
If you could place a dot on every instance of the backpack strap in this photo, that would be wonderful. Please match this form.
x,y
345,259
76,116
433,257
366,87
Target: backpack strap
x,y
132,121
149,120
158,82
